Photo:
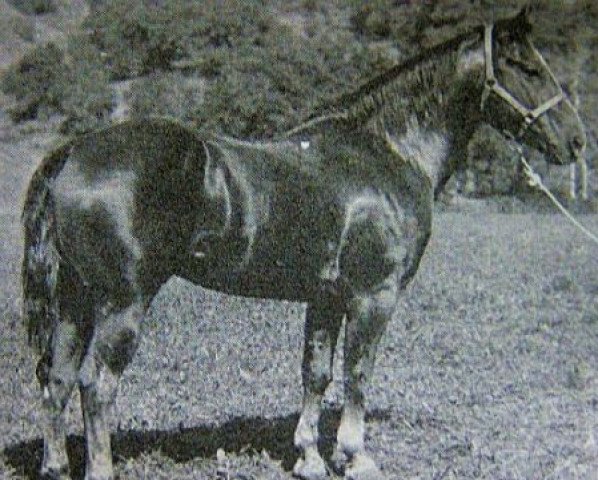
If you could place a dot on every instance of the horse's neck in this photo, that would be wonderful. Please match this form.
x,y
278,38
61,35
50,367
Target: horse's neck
x,y
426,147
438,143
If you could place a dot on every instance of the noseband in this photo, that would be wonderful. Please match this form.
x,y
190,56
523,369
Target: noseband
x,y
491,85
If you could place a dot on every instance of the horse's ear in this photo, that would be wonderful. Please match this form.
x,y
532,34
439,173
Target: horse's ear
x,y
525,14
523,24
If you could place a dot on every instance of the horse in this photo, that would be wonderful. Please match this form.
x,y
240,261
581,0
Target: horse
x,y
335,213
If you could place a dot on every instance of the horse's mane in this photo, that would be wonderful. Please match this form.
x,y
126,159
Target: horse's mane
x,y
415,87
414,75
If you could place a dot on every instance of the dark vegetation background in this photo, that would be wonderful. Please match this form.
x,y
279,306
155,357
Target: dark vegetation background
x,y
251,69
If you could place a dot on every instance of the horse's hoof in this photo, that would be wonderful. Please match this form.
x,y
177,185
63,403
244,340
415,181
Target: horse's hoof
x,y
55,474
310,468
362,467
339,460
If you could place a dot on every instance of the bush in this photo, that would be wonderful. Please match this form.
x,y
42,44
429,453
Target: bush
x,y
36,7
263,76
88,96
170,94
140,37
135,38
14,26
35,81
243,105
43,81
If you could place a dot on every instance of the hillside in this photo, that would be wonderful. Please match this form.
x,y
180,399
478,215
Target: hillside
x,y
251,69
21,28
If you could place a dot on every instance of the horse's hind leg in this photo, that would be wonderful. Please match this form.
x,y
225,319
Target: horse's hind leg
x,y
58,372
112,347
322,326
367,317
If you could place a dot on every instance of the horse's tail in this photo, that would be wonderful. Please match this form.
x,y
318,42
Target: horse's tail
x,y
39,270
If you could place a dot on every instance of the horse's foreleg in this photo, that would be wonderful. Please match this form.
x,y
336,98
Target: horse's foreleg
x,y
367,317
58,379
112,348
322,325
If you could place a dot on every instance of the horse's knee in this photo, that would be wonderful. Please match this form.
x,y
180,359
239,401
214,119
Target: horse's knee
x,y
117,351
378,303
98,384
317,367
57,391
319,379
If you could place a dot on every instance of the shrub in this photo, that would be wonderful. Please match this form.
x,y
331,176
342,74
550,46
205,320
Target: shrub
x,y
35,82
243,105
135,38
88,96
13,24
170,94
36,7
263,76
43,81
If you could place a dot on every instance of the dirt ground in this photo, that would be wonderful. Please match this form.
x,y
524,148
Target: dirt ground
x,y
488,370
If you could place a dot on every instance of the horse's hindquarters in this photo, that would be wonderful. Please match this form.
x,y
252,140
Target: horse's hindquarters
x,y
94,223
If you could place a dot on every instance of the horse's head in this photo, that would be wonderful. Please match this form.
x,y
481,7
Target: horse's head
x,y
522,97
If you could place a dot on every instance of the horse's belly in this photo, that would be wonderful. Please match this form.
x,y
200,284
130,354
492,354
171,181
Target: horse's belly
x,y
298,260
276,265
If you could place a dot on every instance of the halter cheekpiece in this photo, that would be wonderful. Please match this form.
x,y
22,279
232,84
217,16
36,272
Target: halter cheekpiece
x,y
491,85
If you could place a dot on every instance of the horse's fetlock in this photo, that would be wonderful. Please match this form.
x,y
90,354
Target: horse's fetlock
x,y
56,394
42,371
320,381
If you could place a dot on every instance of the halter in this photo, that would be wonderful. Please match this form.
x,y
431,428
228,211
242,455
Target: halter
x,y
491,85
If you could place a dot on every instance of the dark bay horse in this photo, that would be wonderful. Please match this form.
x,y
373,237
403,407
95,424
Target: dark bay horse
x,y
336,214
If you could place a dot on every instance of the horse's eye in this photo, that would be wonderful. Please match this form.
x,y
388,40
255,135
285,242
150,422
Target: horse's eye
x,y
526,68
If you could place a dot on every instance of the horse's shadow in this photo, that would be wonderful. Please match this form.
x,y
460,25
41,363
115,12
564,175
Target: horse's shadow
x,y
183,445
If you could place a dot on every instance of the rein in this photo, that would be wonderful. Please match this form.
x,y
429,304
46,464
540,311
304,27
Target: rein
x,y
491,85
534,180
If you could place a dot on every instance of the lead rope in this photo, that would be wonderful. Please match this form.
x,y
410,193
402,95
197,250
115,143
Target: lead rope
x,y
535,181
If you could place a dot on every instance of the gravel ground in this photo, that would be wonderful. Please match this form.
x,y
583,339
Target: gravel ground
x,y
488,370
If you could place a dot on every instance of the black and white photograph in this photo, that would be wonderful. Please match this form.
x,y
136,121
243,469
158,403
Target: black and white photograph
x,y
301,239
